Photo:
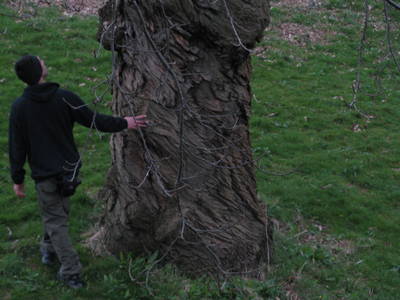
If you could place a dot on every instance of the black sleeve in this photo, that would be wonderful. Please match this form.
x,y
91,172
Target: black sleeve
x,y
17,147
82,114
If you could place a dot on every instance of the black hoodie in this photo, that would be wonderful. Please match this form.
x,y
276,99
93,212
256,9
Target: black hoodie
x,y
41,124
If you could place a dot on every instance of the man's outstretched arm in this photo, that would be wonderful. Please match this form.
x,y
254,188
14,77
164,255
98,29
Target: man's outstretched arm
x,y
105,123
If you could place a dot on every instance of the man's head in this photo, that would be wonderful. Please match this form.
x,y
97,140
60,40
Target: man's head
x,y
31,69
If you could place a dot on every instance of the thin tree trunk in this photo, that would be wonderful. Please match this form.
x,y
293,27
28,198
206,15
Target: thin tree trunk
x,y
185,186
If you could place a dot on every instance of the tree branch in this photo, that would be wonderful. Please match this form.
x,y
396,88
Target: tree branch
x,y
394,4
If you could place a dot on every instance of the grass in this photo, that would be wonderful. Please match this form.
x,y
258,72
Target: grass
x,y
336,213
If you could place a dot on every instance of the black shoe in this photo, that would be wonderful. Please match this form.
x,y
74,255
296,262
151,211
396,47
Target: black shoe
x,y
49,258
72,281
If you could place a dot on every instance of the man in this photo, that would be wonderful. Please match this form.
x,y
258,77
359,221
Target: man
x,y
41,123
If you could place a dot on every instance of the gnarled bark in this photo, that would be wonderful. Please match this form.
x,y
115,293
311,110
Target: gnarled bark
x,y
185,186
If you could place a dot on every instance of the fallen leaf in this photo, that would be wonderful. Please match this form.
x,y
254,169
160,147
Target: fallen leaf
x,y
338,98
326,186
91,79
356,128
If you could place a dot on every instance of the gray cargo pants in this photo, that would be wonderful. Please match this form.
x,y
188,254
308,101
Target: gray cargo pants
x,y
55,209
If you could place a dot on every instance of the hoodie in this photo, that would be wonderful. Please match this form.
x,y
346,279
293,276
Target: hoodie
x,y
41,130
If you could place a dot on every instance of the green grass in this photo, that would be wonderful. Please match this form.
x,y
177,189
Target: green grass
x,y
337,213
343,179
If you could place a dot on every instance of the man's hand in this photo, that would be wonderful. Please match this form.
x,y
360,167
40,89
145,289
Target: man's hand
x,y
19,190
136,122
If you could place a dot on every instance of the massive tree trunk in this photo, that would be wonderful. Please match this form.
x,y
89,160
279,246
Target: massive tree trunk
x,y
185,186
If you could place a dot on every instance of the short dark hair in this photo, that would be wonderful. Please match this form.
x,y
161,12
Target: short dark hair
x,y
29,69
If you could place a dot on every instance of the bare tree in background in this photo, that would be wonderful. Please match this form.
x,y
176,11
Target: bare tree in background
x,y
185,186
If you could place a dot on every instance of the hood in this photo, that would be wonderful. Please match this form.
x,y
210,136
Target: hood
x,y
41,92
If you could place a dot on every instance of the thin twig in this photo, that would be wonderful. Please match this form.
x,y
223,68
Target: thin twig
x,y
234,27
388,35
357,83
394,4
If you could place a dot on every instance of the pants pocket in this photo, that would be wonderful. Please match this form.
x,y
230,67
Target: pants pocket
x,y
48,193
47,186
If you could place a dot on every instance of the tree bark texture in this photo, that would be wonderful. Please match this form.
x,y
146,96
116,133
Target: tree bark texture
x,y
185,186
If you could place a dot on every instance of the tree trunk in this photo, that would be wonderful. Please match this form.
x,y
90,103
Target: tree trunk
x,y
185,186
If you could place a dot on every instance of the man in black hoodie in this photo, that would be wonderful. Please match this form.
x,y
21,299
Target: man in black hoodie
x,y
41,123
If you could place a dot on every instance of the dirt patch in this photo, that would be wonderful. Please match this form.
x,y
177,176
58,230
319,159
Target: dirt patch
x,y
69,7
303,35
299,34
297,3
315,236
